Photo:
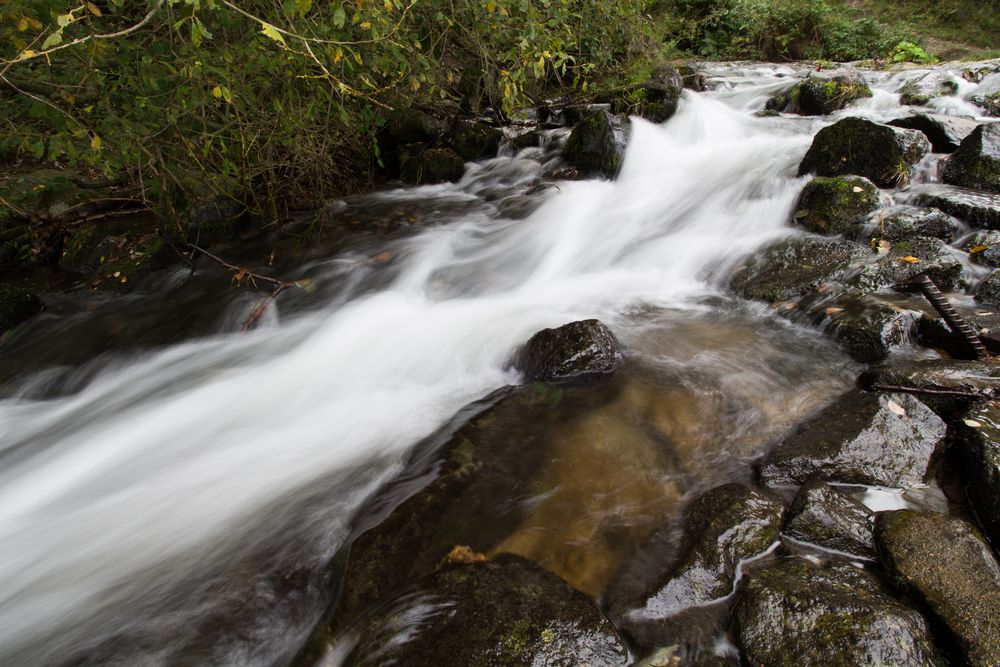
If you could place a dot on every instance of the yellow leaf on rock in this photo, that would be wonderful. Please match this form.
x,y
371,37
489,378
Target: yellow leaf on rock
x,y
910,259
978,248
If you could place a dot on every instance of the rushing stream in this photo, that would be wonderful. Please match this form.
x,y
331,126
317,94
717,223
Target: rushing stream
x,y
170,497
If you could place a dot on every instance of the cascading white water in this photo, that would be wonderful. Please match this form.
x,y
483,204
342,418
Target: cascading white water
x,y
118,495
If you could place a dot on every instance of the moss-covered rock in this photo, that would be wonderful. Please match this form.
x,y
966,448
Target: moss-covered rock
x,y
861,438
944,132
942,561
793,267
655,100
793,613
412,126
907,259
976,163
575,350
818,95
592,147
913,95
988,292
435,165
906,223
883,154
990,103
473,141
504,612
978,209
835,205
980,455
16,306
823,515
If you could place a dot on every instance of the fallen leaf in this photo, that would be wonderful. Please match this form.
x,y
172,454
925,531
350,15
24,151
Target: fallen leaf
x,y
896,408
910,259
858,189
978,248
833,311
984,313
972,422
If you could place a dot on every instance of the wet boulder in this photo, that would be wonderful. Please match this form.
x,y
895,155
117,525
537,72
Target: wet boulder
x,y
861,438
793,267
907,259
575,350
16,306
948,386
906,223
979,209
435,165
505,611
794,613
868,329
976,163
988,292
934,332
694,79
984,248
944,132
655,100
412,126
827,517
835,205
943,562
473,141
593,148
722,527
881,153
980,453
820,94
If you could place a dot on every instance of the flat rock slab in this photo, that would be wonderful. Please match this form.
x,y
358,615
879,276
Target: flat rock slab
x,y
944,132
936,377
793,613
979,209
862,438
793,267
827,517
981,465
942,561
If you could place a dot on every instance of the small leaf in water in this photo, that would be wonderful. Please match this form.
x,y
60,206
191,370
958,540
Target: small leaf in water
x,y
896,408
910,259
383,257
972,423
830,312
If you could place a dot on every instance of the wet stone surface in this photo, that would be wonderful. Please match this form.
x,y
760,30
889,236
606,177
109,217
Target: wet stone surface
x,y
574,350
835,205
980,456
979,209
824,516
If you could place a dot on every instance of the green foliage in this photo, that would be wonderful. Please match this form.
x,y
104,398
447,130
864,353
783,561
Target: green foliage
x,y
911,53
274,96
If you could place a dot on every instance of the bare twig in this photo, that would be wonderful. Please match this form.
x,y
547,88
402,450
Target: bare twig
x,y
931,392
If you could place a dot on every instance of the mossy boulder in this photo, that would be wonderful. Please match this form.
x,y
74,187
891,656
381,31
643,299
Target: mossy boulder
x,y
861,438
793,267
16,306
722,527
818,95
976,163
412,126
906,259
504,612
990,103
655,100
980,456
943,562
473,141
794,613
912,94
835,205
944,132
883,154
983,248
906,223
572,351
823,515
988,292
592,148
978,209
431,166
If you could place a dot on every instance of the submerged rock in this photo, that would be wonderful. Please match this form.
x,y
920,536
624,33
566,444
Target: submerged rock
x,y
793,613
907,259
907,223
979,209
435,165
881,153
818,95
976,163
592,146
835,205
980,454
824,516
944,132
940,560
862,438
793,267
506,611
16,306
574,350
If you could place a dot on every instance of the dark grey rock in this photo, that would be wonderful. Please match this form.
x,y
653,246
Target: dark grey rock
x,y
973,379
824,516
942,561
793,613
980,454
574,350
506,611
984,248
16,306
881,153
976,163
593,148
793,267
412,126
434,165
472,141
869,330
978,209
907,259
820,94
944,132
906,223
988,292
934,332
862,438
836,205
